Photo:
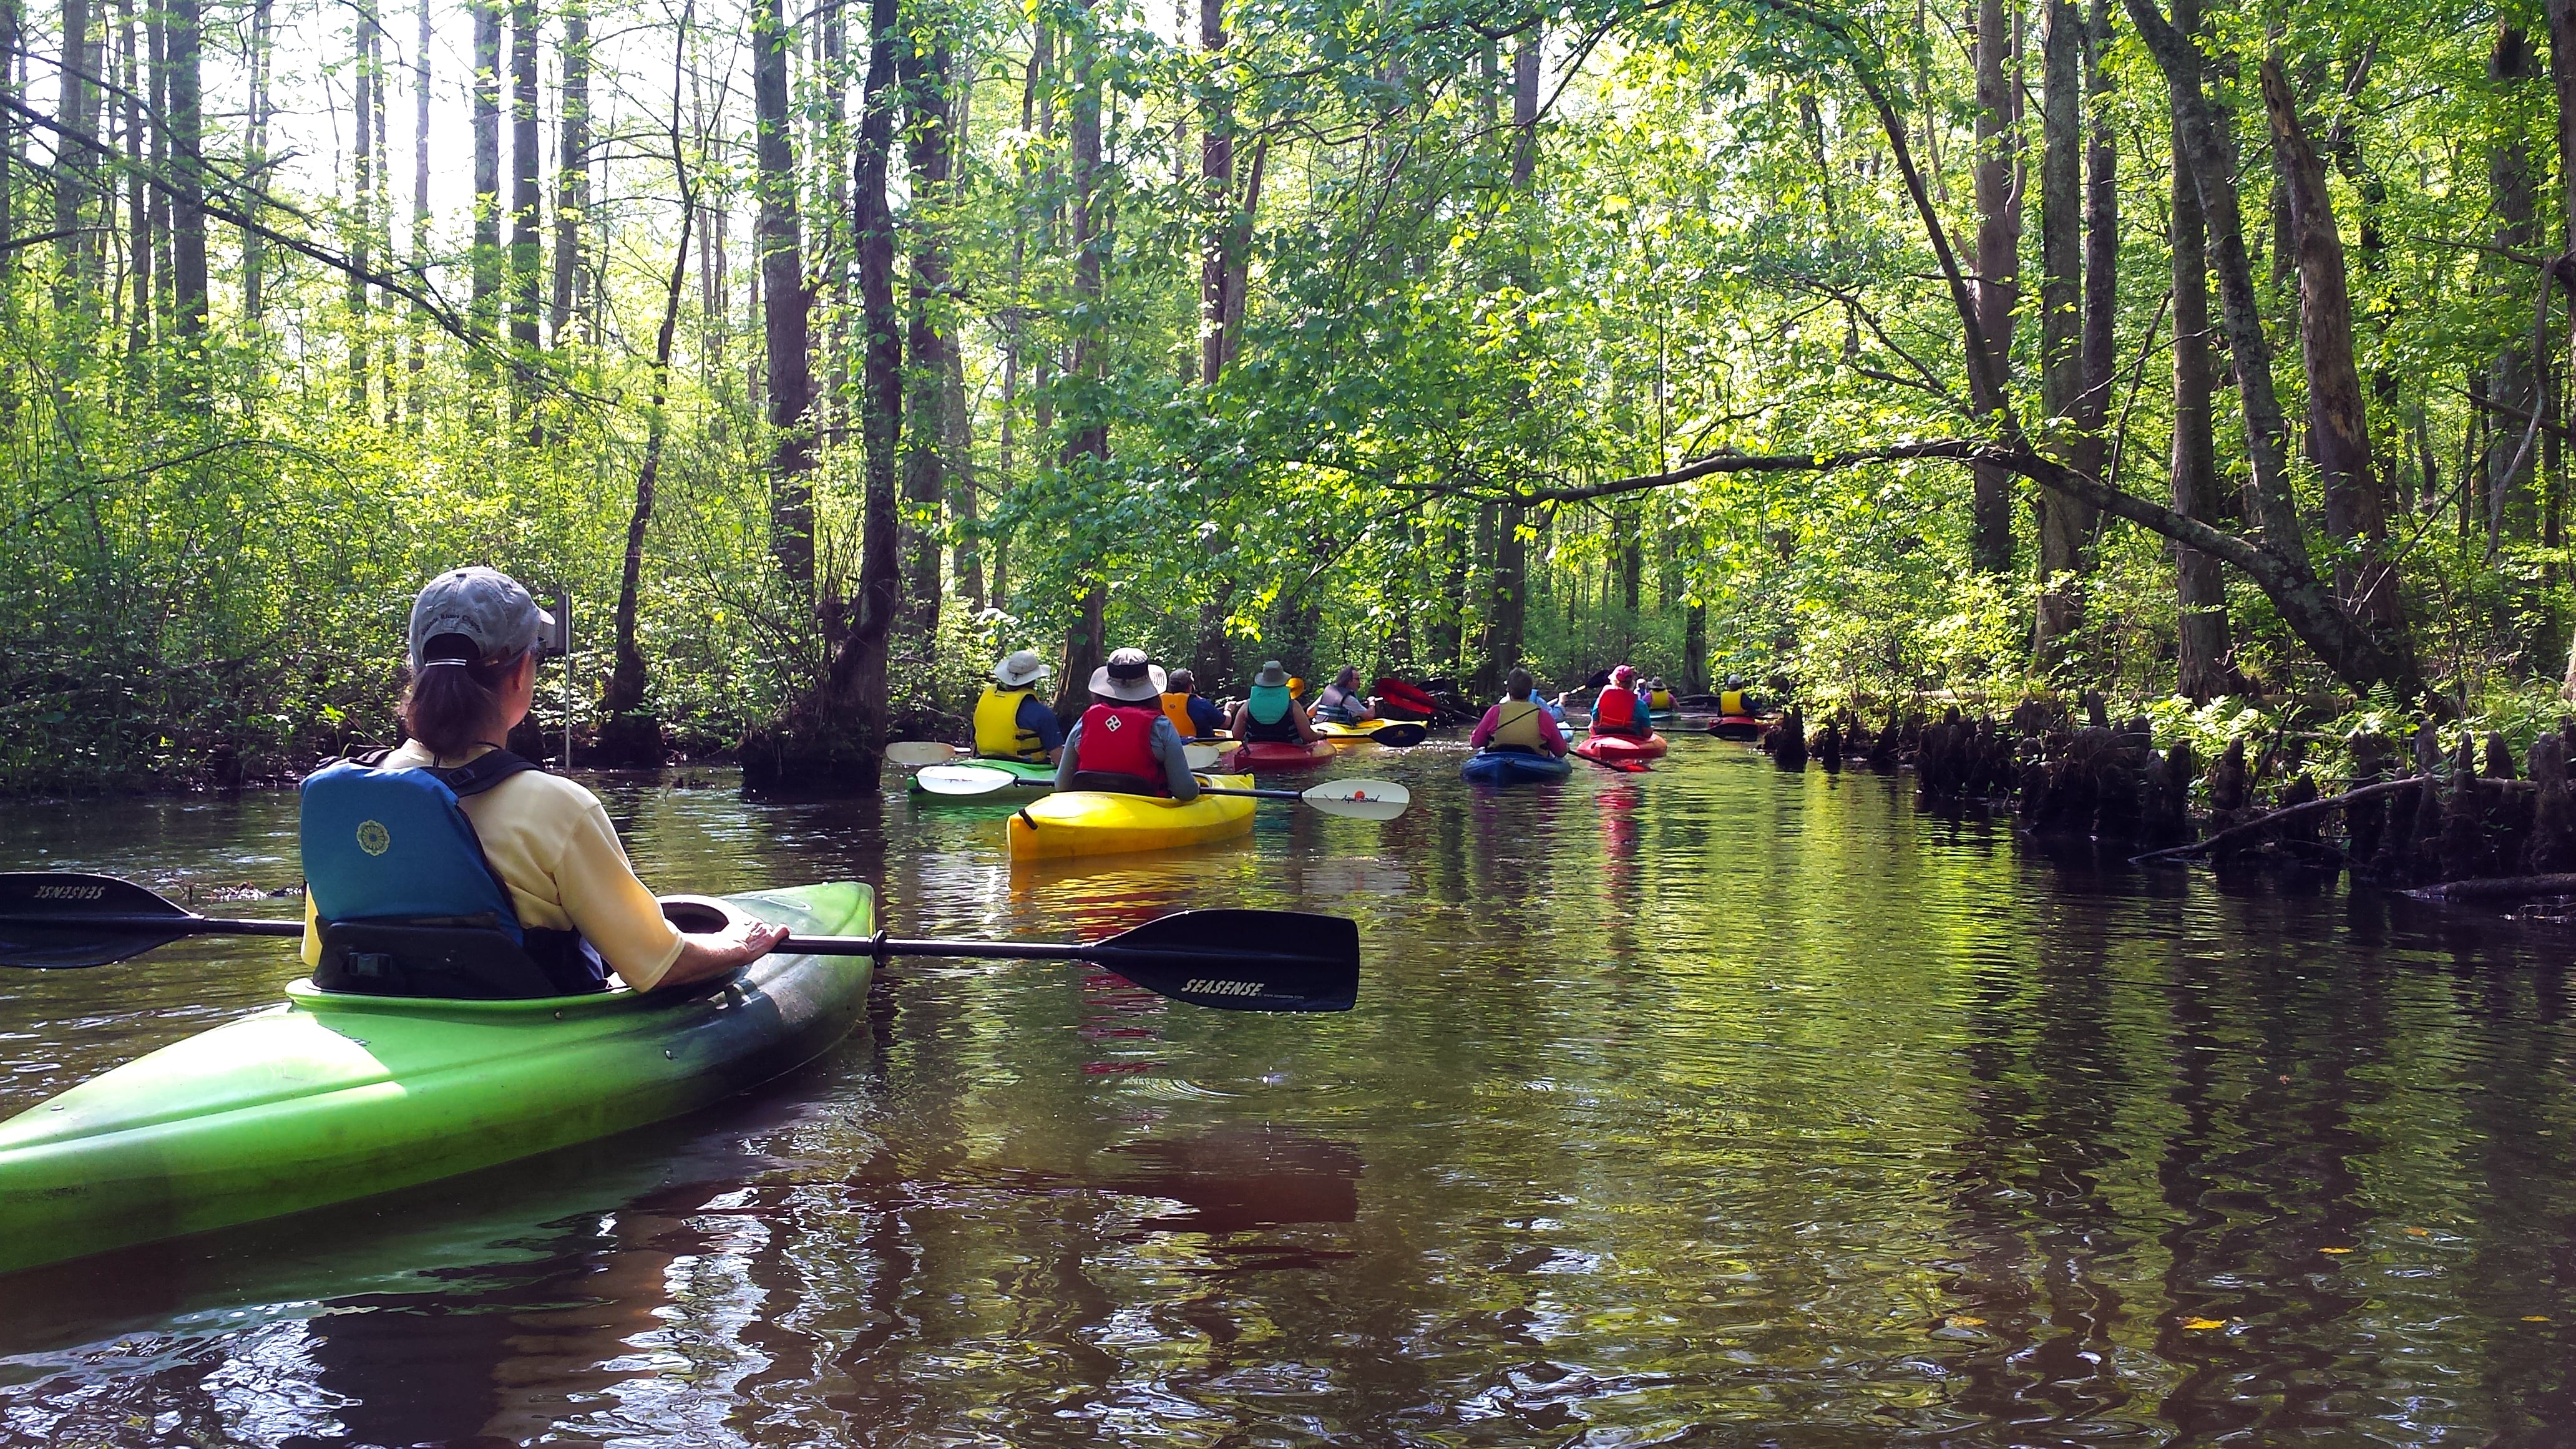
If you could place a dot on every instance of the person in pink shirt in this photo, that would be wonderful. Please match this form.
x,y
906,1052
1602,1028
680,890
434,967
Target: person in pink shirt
x,y
1519,722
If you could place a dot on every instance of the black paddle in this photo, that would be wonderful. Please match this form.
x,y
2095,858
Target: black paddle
x,y
1231,960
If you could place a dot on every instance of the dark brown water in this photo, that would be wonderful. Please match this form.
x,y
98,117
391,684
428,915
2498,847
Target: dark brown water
x,y
1709,1107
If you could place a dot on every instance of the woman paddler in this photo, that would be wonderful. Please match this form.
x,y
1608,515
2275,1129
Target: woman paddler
x,y
1519,721
451,827
1270,712
1124,743
1619,709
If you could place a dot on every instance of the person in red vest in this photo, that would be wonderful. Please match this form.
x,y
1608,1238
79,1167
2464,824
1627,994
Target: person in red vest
x,y
1124,743
1619,709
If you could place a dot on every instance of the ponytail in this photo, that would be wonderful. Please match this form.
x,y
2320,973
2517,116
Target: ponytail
x,y
451,705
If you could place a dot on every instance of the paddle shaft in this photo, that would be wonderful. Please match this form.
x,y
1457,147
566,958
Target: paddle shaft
x,y
793,945
162,925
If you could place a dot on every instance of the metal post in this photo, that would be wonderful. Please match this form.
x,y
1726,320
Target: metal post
x,y
563,615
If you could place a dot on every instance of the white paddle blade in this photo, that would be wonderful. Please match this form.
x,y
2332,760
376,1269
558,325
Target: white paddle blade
x,y
920,752
1359,799
1202,757
964,780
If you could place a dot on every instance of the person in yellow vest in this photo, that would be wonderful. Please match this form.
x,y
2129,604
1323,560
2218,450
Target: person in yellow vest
x,y
1011,722
1193,714
1737,700
1658,697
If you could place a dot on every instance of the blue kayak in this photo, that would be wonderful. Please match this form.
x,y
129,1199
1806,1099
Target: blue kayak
x,y
1513,767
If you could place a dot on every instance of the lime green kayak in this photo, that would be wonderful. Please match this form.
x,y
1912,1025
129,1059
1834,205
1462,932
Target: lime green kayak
x,y
333,1097
1034,777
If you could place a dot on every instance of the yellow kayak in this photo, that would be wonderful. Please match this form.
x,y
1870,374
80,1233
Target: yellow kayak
x,y
1090,822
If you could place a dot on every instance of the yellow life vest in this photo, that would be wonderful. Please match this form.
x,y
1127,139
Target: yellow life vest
x,y
998,735
1176,708
1732,702
1660,699
1519,729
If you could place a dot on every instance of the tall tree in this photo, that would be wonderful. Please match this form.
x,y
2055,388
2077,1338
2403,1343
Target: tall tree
x,y
1998,173
188,177
254,247
1507,591
138,207
1086,446
76,112
929,148
2203,663
420,214
859,668
2356,513
572,174
2065,528
2514,379
787,308
485,305
362,197
527,195
2208,155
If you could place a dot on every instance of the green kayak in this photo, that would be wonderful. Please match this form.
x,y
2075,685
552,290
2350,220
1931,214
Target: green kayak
x,y
333,1097
1034,778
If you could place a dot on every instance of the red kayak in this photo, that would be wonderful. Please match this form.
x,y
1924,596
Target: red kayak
x,y
1405,697
1621,749
1276,755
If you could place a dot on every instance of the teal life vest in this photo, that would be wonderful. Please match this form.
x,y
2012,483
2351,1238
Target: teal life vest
x,y
1268,703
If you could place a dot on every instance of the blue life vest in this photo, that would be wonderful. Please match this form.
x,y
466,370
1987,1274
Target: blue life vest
x,y
406,901
392,845
1266,713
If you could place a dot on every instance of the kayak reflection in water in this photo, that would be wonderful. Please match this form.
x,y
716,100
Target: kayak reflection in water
x,y
1519,722
452,829
1124,744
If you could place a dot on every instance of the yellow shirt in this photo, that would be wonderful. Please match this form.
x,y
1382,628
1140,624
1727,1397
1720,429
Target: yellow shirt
x,y
551,844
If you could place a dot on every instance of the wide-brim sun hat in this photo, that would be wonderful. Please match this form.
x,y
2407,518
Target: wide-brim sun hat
x,y
1272,673
1021,667
1128,675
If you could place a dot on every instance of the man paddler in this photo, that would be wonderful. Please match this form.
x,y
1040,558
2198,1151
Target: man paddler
x,y
1011,722
1192,713
1124,743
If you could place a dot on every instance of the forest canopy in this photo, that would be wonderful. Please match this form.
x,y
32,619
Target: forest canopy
x,y
2208,357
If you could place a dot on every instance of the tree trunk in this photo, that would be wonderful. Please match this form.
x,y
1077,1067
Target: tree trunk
x,y
2338,427
1998,67
2101,252
2204,666
1508,595
1086,446
527,196
859,665
188,182
928,150
419,359
485,306
138,205
2515,379
786,308
957,441
2208,152
2065,525
629,735
75,175
572,174
2562,77
1216,196
362,192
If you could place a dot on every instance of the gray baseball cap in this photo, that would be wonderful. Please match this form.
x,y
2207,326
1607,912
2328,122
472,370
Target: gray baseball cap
x,y
486,606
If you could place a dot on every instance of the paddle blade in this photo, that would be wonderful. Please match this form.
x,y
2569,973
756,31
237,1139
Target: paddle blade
x,y
1359,799
1203,757
1241,960
58,920
964,779
920,752
1401,734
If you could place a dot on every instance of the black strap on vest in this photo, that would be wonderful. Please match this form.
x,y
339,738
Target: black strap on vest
x,y
471,778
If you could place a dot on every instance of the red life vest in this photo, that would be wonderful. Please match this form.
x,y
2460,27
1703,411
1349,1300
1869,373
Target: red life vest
x,y
1614,712
1118,739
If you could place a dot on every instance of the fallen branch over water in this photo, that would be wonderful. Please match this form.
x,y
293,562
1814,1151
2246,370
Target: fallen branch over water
x,y
2262,823
2506,888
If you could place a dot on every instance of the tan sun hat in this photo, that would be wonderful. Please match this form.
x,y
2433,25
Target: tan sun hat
x,y
1128,675
1022,667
